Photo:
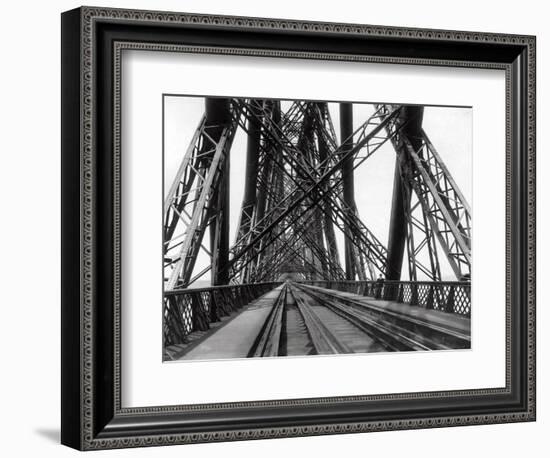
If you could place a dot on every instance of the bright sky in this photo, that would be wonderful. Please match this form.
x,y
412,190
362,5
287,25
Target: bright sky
x,y
449,129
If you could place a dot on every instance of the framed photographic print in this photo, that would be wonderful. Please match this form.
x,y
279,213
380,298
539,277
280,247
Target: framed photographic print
x,y
276,228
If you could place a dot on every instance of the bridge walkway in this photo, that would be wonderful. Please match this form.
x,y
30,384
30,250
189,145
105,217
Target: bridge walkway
x,y
297,320
231,337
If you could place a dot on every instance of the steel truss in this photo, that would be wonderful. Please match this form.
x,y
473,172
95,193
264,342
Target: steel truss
x,y
190,202
297,197
436,211
314,181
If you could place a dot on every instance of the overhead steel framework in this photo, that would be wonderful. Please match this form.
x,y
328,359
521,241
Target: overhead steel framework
x,y
299,193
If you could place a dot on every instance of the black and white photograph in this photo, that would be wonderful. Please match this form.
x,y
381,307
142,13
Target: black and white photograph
x,y
282,223
247,229
296,228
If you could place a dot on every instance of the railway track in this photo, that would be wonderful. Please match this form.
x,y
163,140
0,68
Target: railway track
x,y
307,320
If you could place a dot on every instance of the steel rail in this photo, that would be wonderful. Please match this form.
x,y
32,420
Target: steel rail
x,y
324,341
426,336
269,338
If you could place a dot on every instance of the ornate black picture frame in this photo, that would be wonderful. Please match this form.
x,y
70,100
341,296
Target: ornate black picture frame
x,y
92,415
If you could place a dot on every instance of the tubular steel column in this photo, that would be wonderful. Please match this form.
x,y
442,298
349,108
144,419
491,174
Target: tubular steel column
x,y
218,113
411,118
307,147
252,158
251,175
398,224
267,167
328,225
346,138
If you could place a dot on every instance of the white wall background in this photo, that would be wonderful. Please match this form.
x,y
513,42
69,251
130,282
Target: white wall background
x,y
30,241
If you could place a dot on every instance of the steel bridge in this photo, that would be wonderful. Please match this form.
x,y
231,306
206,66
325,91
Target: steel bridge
x,y
282,287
